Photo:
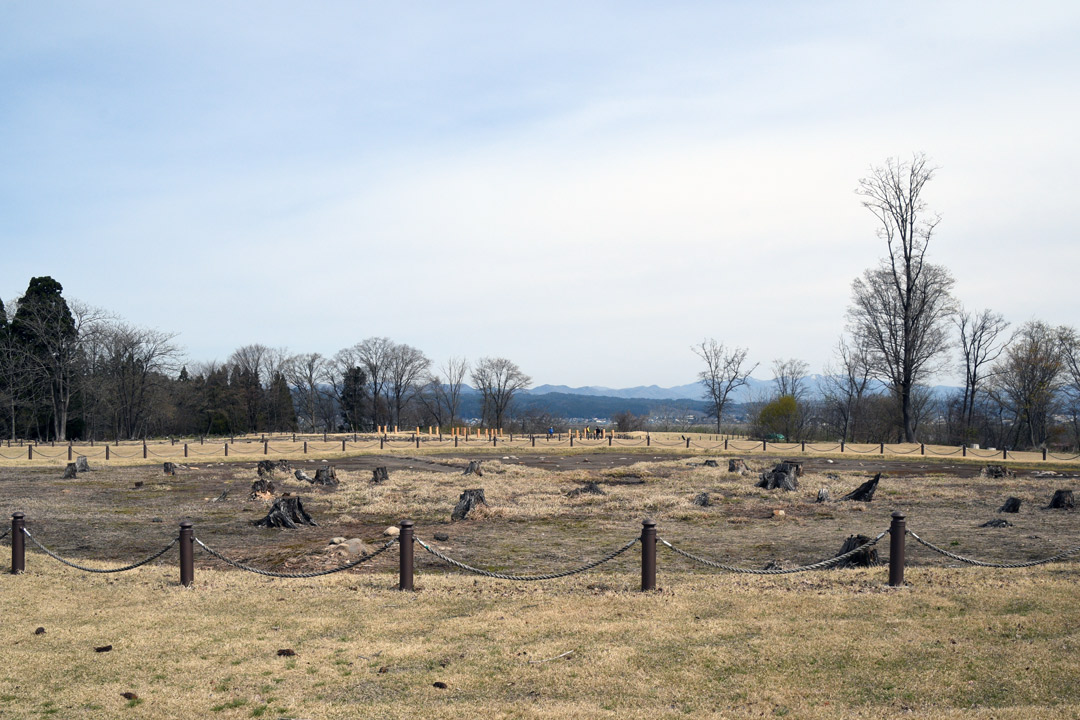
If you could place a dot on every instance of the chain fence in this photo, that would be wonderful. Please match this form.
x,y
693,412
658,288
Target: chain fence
x,y
820,565
84,568
315,573
980,563
527,578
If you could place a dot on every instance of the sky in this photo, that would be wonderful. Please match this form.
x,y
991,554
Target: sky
x,y
588,189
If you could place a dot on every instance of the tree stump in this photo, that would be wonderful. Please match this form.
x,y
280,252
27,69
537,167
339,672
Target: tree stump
x,y
82,464
262,488
997,523
302,476
283,465
287,512
474,468
589,488
711,463
996,472
1012,505
325,475
1062,500
702,500
823,495
867,557
798,466
379,475
469,500
865,492
266,468
784,476
737,465
168,468
69,472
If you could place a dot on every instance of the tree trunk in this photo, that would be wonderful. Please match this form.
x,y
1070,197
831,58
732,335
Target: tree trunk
x,y
82,464
1012,505
866,558
865,492
467,502
379,475
326,475
474,468
69,472
1063,500
168,468
287,512
262,488
784,476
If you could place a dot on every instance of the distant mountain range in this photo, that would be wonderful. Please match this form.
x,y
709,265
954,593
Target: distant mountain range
x,y
754,389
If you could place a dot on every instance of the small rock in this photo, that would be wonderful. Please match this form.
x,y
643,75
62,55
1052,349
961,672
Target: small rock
x,y
129,695
442,537
337,540
392,531
103,648
156,520
286,652
439,684
40,631
778,513
356,546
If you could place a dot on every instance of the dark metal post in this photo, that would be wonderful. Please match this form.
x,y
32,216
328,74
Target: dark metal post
x,y
266,447
882,448
1004,454
342,446
405,564
417,438
534,442
687,443
144,449
764,445
609,437
922,448
106,452
185,449
187,554
571,440
725,443
648,440
69,453
455,441
841,446
897,533
226,449
18,543
29,452
648,554
963,451
305,447
804,446
1044,453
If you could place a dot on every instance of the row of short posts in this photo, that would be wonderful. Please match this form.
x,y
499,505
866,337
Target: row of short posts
x,y
406,551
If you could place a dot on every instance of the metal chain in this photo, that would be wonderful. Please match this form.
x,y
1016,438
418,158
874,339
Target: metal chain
x,y
317,573
5,534
980,563
750,571
54,556
526,578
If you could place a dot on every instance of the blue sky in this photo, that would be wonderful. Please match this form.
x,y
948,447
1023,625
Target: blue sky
x,y
585,189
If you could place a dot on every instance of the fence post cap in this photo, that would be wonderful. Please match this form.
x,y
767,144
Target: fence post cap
x,y
17,515
897,515
648,522
406,524
185,525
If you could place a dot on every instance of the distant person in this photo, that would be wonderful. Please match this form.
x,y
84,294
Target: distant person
x,y
551,432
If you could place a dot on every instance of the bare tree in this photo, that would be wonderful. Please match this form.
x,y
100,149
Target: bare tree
x,y
406,369
980,346
900,307
789,376
136,362
846,385
452,377
373,355
309,374
724,373
498,380
1028,378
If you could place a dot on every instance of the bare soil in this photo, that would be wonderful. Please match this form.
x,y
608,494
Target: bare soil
x,y
117,515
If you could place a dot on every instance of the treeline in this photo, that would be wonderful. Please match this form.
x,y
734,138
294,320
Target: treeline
x,y
70,371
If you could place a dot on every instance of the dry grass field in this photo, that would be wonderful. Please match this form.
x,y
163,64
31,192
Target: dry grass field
x,y
957,641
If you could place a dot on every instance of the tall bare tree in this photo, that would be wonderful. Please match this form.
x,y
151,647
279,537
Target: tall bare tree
x,y
846,385
1028,377
725,371
900,307
373,355
136,362
498,380
789,377
980,346
406,370
309,376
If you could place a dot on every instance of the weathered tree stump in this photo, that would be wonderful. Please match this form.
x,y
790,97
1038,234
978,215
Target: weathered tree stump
x,y
262,488
474,468
287,512
867,557
702,500
302,476
996,471
711,463
737,465
798,466
283,465
1062,500
1012,505
865,492
69,472
379,475
266,468
589,488
468,501
168,468
325,475
784,476
997,523
823,495
82,464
